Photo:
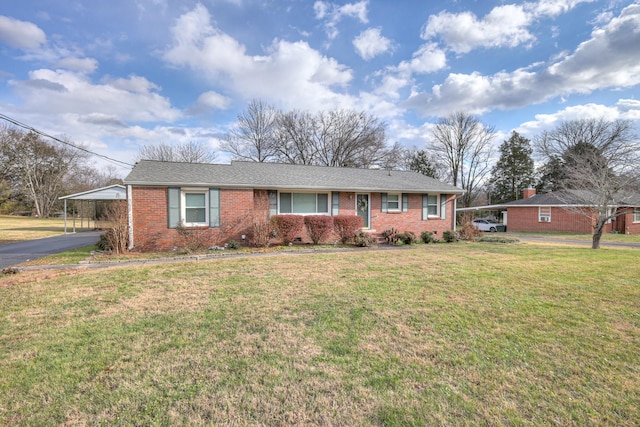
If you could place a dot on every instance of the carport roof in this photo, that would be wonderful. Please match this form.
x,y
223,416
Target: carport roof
x,y
112,192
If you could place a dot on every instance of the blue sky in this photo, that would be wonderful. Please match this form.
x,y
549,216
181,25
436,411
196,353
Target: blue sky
x,y
117,75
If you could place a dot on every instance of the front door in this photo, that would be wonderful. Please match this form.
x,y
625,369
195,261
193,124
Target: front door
x,y
362,208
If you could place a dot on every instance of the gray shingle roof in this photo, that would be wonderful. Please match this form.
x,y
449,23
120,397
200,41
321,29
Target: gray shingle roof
x,y
282,176
572,198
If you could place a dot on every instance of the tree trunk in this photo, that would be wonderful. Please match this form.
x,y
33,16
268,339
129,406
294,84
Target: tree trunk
x,y
597,234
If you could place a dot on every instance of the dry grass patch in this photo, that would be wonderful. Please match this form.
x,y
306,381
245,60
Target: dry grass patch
x,y
464,334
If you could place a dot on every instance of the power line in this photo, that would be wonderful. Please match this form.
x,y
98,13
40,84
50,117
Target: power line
x,y
36,131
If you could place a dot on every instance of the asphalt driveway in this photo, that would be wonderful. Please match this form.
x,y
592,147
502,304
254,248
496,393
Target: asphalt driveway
x,y
15,253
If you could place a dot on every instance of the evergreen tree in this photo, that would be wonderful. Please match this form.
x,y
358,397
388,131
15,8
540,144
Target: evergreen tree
x,y
419,162
514,171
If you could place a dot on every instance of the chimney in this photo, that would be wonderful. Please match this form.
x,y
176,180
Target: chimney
x,y
528,192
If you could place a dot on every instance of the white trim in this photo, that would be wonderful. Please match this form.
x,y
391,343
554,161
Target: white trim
x,y
183,206
329,203
130,214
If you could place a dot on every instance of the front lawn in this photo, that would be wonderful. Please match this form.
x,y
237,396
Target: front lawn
x,y
457,334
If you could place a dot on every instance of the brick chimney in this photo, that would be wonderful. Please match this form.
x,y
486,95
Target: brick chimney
x,y
528,192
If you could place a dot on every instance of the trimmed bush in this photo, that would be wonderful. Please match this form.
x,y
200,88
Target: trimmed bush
x,y
391,236
450,236
365,240
469,232
319,227
408,237
289,227
347,226
427,237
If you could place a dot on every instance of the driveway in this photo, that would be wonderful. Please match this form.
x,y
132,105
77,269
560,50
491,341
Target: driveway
x,y
568,241
15,253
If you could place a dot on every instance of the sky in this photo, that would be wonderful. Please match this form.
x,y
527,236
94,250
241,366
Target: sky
x,y
115,76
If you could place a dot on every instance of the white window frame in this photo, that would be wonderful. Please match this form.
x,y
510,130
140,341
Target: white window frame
x,y
544,213
437,205
327,212
636,214
398,202
183,206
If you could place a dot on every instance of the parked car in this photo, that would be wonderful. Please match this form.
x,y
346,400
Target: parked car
x,y
489,225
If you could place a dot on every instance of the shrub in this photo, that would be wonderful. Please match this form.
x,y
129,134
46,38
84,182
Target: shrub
x,y
260,233
408,238
391,236
450,236
193,239
427,237
347,226
115,238
232,244
364,240
469,232
289,227
319,227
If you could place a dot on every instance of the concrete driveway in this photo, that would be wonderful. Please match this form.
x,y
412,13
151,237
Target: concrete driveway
x,y
15,253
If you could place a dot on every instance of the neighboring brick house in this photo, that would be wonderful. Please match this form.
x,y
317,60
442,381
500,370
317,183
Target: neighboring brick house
x,y
226,200
556,212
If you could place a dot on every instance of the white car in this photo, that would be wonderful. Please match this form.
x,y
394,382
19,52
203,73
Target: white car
x,y
489,225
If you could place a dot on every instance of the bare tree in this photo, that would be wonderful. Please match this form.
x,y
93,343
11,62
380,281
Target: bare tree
x,y
337,138
296,140
189,152
253,136
462,143
600,161
37,169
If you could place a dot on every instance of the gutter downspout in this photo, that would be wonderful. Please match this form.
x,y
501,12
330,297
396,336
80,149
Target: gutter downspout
x,y
130,215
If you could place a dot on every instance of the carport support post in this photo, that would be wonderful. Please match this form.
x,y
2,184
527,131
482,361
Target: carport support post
x,y
65,216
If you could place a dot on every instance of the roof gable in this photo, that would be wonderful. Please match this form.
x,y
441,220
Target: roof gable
x,y
282,177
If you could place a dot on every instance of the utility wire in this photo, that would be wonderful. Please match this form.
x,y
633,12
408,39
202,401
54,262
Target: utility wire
x,y
36,131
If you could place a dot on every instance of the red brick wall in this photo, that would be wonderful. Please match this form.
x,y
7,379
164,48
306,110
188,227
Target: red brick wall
x,y
562,220
624,223
150,223
237,214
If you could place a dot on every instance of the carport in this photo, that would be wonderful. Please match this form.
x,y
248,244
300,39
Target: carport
x,y
112,192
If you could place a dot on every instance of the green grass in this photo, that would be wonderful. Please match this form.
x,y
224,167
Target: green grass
x,y
20,228
463,334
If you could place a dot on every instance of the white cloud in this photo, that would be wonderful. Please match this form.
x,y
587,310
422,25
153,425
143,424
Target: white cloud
x,y
290,74
371,43
609,59
463,32
505,25
333,13
63,92
624,109
21,34
87,65
208,101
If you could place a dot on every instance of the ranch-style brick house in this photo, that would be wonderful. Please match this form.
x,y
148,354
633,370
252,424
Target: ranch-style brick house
x,y
225,200
557,212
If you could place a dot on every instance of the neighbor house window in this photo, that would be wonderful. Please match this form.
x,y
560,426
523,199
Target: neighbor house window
x,y
393,201
304,203
636,214
544,214
193,207
430,206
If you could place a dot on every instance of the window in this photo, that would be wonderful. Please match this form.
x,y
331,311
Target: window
x,y
544,214
304,203
393,201
636,214
193,207
430,206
